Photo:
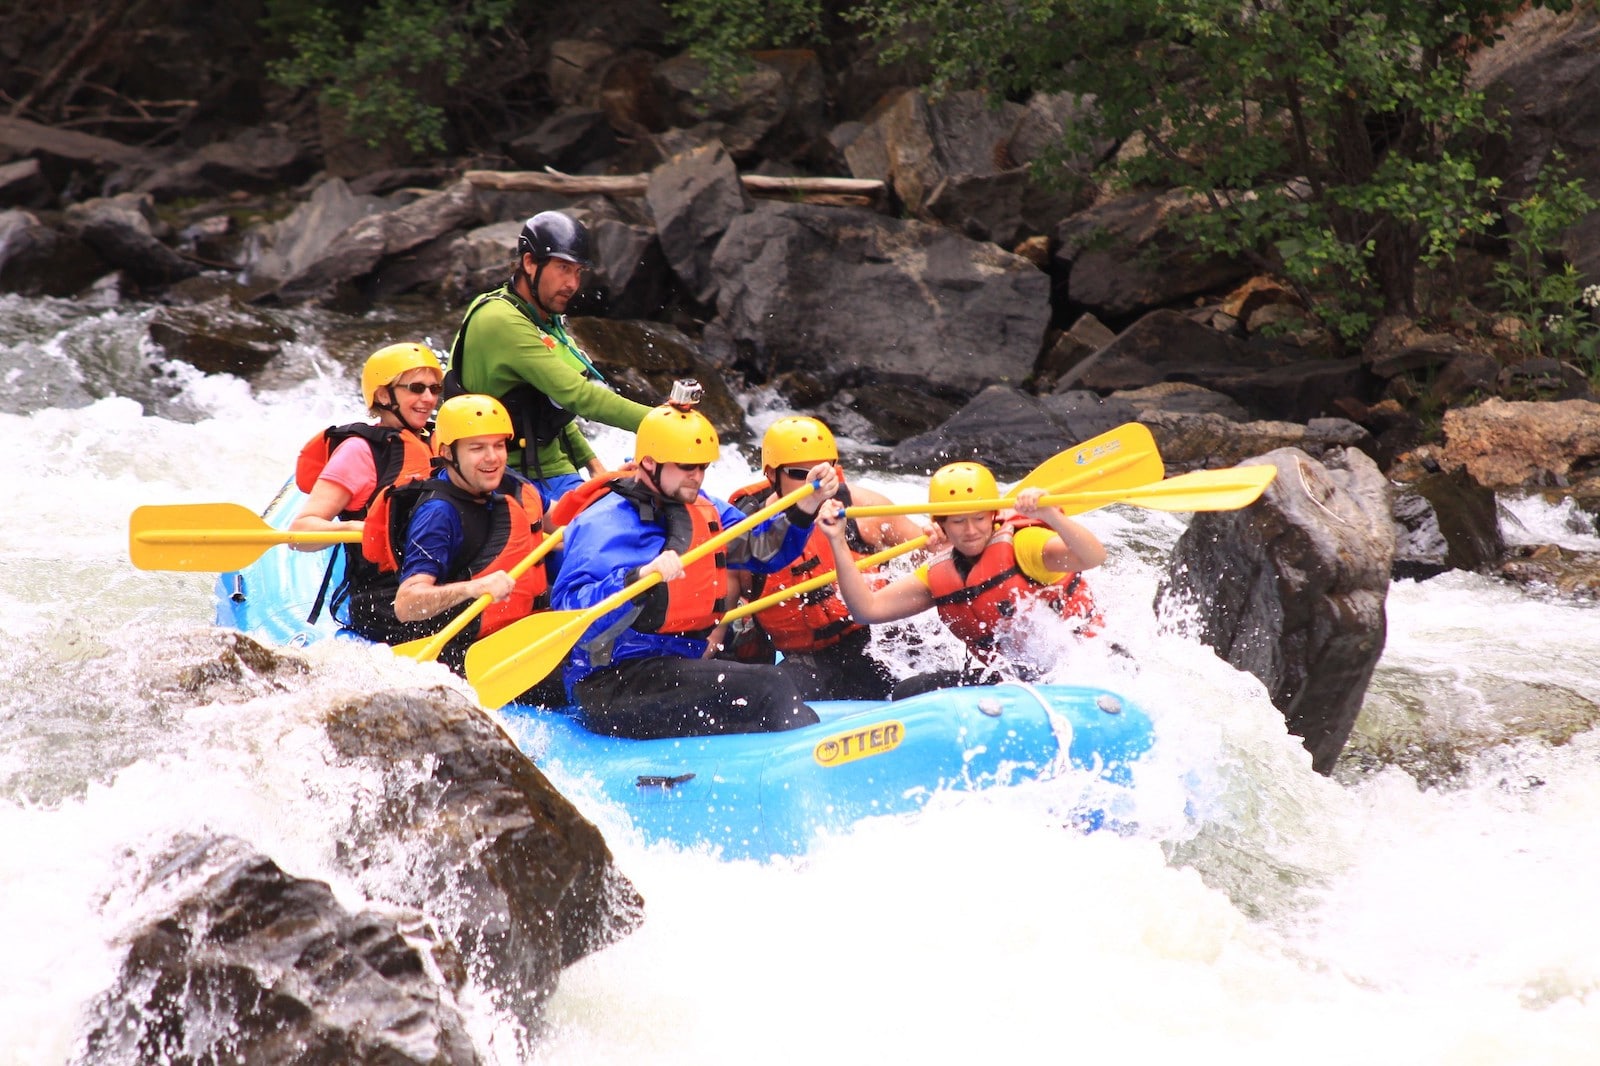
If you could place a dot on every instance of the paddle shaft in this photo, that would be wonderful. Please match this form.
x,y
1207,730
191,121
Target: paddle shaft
x,y
428,648
496,674
1225,483
866,562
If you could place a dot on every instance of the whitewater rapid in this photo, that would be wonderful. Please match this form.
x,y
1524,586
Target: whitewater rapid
x,y
1258,913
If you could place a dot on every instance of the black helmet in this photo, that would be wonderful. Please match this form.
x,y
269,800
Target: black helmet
x,y
552,235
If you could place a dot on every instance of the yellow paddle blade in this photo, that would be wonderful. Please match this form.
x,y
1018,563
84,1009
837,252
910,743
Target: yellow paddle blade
x,y
509,661
1203,490
208,537
427,649
1119,458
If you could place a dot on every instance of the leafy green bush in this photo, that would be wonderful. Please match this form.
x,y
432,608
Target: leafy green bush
x,y
372,59
1334,143
1556,310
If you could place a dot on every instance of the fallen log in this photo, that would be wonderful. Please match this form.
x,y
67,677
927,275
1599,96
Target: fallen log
x,y
854,192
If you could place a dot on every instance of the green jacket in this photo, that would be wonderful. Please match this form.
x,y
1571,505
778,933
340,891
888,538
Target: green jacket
x,y
507,344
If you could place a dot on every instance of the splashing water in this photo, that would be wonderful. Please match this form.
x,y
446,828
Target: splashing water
x,y
1429,903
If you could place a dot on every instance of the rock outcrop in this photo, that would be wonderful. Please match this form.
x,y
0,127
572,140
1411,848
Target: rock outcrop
x,y
1292,589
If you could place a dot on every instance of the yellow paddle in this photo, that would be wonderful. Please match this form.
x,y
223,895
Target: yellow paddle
x,y
1203,490
209,536
866,562
227,536
1119,458
427,649
509,661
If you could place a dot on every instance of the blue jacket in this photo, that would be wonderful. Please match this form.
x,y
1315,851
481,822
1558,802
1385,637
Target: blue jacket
x,y
607,543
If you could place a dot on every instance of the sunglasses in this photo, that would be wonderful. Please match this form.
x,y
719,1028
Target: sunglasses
x,y
690,468
799,473
417,388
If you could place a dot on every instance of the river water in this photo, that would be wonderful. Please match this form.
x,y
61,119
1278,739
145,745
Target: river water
x,y
1433,902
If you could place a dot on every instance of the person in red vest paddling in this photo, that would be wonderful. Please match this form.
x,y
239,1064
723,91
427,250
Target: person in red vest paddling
x,y
824,651
998,564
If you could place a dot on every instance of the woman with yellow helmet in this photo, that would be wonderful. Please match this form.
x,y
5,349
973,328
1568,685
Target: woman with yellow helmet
x,y
644,669
824,651
343,467
998,562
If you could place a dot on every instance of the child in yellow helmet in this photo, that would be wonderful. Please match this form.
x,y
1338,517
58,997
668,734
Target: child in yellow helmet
x,y
996,562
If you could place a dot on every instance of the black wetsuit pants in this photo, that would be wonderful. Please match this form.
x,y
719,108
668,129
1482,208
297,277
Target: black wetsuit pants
x,y
669,696
842,671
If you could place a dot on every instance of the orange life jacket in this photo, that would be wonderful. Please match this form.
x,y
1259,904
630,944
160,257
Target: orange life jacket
x,y
499,534
975,602
812,620
398,455
693,602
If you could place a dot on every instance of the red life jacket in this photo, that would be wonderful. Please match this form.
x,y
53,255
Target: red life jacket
x,y
812,620
499,533
398,455
976,604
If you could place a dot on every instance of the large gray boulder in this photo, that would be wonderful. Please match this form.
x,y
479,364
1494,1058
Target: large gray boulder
x,y
857,298
357,252
40,260
526,881
251,965
1293,589
427,813
126,232
1545,68
290,245
1010,431
1120,257
694,196
1269,380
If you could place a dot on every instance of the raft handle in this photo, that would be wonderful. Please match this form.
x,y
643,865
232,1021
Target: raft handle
x,y
662,780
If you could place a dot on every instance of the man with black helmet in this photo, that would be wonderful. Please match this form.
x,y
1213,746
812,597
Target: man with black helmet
x,y
513,344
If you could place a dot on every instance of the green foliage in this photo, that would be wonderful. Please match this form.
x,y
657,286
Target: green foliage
x,y
1556,310
722,33
1333,142
369,59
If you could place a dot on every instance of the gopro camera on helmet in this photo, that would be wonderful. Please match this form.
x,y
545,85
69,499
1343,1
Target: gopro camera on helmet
x,y
686,392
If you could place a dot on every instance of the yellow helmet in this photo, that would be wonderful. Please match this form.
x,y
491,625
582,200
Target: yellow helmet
x,y
962,481
470,416
386,364
797,440
676,435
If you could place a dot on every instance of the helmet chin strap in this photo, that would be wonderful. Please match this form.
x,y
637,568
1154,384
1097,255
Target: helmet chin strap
x,y
533,288
652,478
450,460
393,406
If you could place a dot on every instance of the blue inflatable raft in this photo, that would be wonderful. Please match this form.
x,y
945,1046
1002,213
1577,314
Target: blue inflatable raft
x,y
769,794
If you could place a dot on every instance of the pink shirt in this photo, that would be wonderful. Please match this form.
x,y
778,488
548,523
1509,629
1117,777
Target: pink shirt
x,y
352,469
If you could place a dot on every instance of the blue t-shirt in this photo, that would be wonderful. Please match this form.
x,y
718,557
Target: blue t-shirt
x,y
433,540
